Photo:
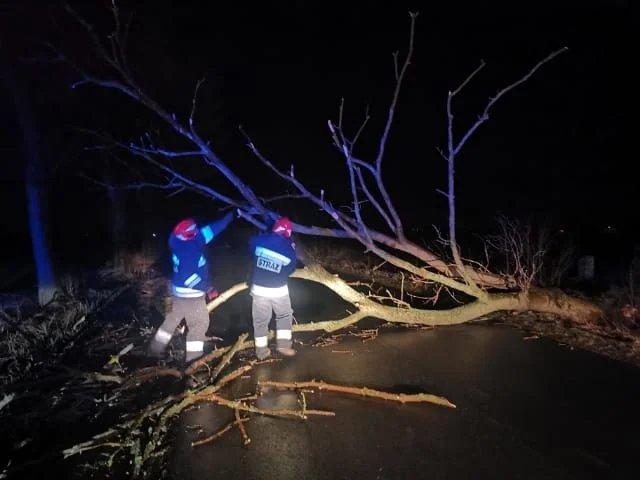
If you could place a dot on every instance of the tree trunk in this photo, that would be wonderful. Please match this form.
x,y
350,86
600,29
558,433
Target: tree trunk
x,y
117,210
44,266
550,301
35,189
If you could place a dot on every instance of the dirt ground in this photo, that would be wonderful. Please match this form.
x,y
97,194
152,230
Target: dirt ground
x,y
608,341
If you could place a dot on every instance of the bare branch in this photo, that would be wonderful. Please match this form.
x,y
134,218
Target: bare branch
x,y
177,178
351,227
374,201
352,182
367,117
164,153
129,87
484,116
387,128
468,79
169,185
194,103
346,147
277,198
250,219
454,149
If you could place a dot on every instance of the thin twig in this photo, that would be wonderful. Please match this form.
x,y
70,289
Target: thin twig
x,y
243,431
219,433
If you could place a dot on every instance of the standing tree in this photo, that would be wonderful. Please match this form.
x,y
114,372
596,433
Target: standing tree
x,y
35,183
485,290
116,202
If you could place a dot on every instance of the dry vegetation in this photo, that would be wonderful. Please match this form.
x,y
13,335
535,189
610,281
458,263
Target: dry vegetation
x,y
26,338
43,336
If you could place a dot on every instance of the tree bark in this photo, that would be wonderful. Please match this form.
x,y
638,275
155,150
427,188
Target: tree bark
x,y
116,199
551,301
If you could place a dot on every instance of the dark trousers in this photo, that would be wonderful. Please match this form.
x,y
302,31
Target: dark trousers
x,y
261,311
196,315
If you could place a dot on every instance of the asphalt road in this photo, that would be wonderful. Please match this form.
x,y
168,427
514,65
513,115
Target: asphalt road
x,y
527,409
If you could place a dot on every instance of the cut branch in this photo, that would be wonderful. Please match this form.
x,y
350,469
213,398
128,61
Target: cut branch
x,y
235,404
360,391
226,359
238,422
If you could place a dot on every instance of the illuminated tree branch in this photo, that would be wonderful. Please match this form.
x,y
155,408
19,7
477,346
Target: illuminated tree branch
x,y
462,277
453,149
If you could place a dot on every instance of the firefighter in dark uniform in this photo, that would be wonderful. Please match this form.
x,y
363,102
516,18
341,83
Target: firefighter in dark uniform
x,y
190,285
274,259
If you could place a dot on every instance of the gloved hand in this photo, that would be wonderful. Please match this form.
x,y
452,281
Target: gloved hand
x,y
212,294
248,210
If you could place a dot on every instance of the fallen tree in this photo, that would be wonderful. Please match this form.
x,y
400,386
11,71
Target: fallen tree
x,y
485,291
142,436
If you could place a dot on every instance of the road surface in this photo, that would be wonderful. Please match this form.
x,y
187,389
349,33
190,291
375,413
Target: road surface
x,y
527,409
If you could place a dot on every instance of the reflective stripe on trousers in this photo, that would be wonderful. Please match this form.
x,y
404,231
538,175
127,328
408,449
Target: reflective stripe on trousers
x,y
163,336
283,334
195,346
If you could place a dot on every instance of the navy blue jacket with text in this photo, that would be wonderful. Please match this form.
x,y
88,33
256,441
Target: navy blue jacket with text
x,y
190,268
274,259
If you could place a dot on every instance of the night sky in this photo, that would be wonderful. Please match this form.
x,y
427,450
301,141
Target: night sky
x,y
559,147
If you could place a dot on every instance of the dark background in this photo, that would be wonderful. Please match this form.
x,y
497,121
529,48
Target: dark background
x,y
558,148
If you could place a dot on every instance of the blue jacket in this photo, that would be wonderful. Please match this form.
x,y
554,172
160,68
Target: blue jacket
x,y
274,259
190,268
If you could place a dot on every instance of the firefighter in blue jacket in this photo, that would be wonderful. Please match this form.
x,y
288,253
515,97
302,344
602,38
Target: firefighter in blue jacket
x,y
274,259
190,285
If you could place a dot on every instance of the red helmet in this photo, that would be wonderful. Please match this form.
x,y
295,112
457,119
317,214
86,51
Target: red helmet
x,y
283,226
187,229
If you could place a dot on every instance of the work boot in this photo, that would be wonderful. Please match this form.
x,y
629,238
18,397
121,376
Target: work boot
x,y
156,349
285,347
191,357
287,352
263,353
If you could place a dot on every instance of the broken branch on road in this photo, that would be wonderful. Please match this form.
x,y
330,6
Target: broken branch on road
x,y
361,391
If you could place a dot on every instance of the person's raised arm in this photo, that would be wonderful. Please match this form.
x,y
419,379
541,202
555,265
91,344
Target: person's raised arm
x,y
291,254
216,228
